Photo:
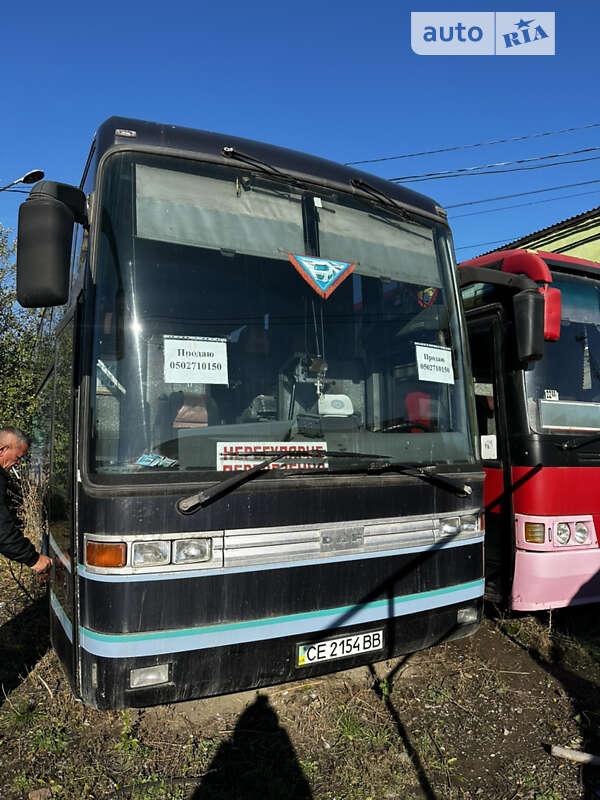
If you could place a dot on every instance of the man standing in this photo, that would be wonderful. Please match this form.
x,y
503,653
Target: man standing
x,y
13,544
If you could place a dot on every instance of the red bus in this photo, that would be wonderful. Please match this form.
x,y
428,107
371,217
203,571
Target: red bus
x,y
539,425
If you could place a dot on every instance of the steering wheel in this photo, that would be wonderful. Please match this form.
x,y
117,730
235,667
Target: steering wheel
x,y
404,426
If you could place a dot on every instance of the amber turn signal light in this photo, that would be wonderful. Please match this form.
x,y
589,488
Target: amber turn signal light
x,y
105,554
535,532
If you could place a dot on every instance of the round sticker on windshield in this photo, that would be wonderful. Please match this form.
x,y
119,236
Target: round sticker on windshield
x,y
426,297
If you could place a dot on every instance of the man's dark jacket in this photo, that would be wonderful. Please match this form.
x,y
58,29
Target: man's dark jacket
x,y
13,544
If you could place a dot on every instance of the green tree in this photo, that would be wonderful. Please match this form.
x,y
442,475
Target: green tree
x,y
18,328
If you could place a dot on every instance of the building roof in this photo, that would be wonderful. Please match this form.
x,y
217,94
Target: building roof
x,y
545,236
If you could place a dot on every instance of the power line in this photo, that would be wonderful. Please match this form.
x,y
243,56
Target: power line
x,y
470,146
522,194
522,205
501,171
451,173
481,244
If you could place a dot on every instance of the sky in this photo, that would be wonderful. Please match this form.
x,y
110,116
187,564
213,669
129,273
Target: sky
x,y
336,79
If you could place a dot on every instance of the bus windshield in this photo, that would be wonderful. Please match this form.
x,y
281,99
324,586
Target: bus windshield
x,y
238,313
563,388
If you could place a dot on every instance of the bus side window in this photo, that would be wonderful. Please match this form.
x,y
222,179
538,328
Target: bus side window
x,y
485,406
79,254
60,501
480,340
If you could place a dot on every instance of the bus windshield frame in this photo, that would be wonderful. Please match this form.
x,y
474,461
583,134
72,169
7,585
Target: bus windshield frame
x,y
563,388
374,367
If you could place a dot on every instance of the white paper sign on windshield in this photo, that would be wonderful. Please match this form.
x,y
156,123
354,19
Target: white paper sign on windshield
x,y
195,359
434,363
488,447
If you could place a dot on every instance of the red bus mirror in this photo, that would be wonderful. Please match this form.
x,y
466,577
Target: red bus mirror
x,y
551,313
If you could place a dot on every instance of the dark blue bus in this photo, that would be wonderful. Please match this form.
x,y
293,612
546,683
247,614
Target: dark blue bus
x,y
257,413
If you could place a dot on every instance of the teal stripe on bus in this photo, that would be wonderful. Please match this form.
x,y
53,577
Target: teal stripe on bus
x,y
187,639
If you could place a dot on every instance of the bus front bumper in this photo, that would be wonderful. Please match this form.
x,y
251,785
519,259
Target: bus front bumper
x,y
544,580
223,670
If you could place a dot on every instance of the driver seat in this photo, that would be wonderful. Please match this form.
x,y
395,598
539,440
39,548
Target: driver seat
x,y
418,410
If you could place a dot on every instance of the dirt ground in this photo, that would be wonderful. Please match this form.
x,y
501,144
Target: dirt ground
x,y
471,719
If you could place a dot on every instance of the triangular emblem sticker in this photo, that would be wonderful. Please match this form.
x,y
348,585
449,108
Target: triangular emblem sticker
x,y
323,274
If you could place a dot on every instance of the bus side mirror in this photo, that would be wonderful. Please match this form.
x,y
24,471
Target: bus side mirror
x,y
552,310
528,307
44,243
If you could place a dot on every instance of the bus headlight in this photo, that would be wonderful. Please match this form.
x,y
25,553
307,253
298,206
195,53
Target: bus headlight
x,y
467,616
151,554
148,676
451,526
469,524
581,532
563,533
188,551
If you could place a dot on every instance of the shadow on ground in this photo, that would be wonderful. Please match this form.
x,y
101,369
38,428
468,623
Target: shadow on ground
x,y
258,761
582,686
24,639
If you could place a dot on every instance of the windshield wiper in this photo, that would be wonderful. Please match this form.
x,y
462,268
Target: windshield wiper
x,y
375,466
188,505
575,444
419,472
379,195
264,166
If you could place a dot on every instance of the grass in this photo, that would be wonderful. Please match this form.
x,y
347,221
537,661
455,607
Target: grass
x,y
33,489
128,743
354,729
22,782
430,734
156,788
547,794
351,728
21,716
51,740
438,694
85,754
309,768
